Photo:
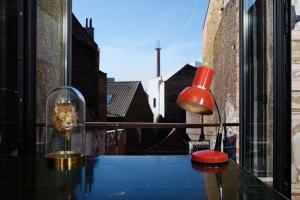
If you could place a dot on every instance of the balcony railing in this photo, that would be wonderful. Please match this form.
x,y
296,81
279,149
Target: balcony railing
x,y
107,136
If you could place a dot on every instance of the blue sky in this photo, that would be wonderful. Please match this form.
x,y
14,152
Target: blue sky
x,y
127,30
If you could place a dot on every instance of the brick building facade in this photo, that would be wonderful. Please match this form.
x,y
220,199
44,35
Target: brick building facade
x,y
163,92
86,76
90,81
221,52
128,102
50,61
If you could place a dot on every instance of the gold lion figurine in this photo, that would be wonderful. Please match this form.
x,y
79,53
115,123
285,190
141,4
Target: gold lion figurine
x,y
64,118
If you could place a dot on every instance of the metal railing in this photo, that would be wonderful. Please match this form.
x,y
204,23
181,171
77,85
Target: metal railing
x,y
149,125
154,125
94,127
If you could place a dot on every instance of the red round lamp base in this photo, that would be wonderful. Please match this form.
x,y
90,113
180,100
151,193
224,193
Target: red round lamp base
x,y
210,157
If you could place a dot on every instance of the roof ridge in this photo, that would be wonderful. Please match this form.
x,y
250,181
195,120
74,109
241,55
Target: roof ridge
x,y
170,74
123,81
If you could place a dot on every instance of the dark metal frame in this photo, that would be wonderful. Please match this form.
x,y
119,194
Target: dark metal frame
x,y
21,75
282,96
27,76
242,140
68,48
30,77
27,29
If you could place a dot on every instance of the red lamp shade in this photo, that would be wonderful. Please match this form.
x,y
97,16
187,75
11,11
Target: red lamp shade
x,y
197,98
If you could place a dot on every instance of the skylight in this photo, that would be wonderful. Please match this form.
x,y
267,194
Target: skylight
x,y
109,98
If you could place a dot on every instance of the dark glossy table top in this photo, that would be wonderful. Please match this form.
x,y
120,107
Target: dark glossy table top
x,y
124,177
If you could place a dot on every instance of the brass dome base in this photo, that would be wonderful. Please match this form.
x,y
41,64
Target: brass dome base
x,y
65,160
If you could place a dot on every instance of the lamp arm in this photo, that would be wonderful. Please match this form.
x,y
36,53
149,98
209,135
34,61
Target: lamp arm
x,y
219,135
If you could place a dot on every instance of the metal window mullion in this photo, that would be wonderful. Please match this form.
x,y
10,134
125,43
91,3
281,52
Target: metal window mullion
x,y
67,38
21,61
282,98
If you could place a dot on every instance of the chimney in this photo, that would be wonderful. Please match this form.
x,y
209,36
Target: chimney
x,y
158,58
89,27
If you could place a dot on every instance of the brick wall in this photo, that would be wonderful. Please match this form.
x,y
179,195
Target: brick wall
x,y
50,57
221,47
50,52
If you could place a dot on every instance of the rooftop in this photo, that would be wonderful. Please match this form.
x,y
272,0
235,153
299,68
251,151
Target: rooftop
x,y
172,73
120,95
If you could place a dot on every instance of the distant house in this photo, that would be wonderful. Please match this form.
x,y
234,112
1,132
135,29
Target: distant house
x,y
128,102
90,81
86,76
163,92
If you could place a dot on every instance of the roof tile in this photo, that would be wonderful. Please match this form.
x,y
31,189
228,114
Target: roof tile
x,y
122,95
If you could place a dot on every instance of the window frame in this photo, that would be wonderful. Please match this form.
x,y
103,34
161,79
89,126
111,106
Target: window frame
x,y
27,29
282,95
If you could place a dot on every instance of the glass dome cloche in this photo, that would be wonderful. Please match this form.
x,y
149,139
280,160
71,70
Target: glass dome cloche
x,y
65,127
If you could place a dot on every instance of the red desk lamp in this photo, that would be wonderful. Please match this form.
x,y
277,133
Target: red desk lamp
x,y
199,99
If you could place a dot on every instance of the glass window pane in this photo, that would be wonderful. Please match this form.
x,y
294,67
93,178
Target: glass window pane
x,y
258,79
